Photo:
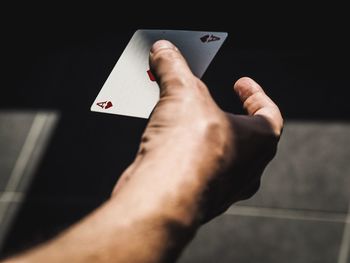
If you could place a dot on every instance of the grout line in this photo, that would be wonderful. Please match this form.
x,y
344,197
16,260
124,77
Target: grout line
x,y
287,214
345,244
15,197
9,194
27,149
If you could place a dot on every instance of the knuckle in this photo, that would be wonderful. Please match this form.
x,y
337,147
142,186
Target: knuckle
x,y
216,133
174,81
173,69
166,54
277,124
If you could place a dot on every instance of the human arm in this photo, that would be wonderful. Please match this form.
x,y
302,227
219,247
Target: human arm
x,y
194,161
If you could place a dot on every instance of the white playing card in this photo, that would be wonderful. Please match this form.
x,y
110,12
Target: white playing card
x,y
130,88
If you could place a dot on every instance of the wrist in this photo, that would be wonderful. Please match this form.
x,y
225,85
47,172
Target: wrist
x,y
167,230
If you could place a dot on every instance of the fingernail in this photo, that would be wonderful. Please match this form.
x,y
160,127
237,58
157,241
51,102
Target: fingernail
x,y
162,44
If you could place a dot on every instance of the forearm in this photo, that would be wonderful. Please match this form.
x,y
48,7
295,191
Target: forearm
x,y
133,226
192,164
110,235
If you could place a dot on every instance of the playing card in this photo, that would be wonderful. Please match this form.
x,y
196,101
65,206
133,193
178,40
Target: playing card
x,y
131,89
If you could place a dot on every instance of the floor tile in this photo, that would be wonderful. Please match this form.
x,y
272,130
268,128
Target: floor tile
x,y
266,240
311,170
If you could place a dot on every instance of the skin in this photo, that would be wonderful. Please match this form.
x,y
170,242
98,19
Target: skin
x,y
194,161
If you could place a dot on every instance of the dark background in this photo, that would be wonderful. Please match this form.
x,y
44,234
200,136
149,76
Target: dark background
x,y
58,57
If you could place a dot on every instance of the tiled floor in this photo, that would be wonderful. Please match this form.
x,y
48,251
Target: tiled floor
x,y
311,170
300,213
248,239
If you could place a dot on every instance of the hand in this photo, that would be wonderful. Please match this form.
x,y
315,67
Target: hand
x,y
194,161
200,159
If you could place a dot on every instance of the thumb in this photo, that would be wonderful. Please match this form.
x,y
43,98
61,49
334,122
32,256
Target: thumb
x,y
256,102
170,67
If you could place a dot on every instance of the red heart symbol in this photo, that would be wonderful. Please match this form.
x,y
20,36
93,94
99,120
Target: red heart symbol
x,y
109,104
150,75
